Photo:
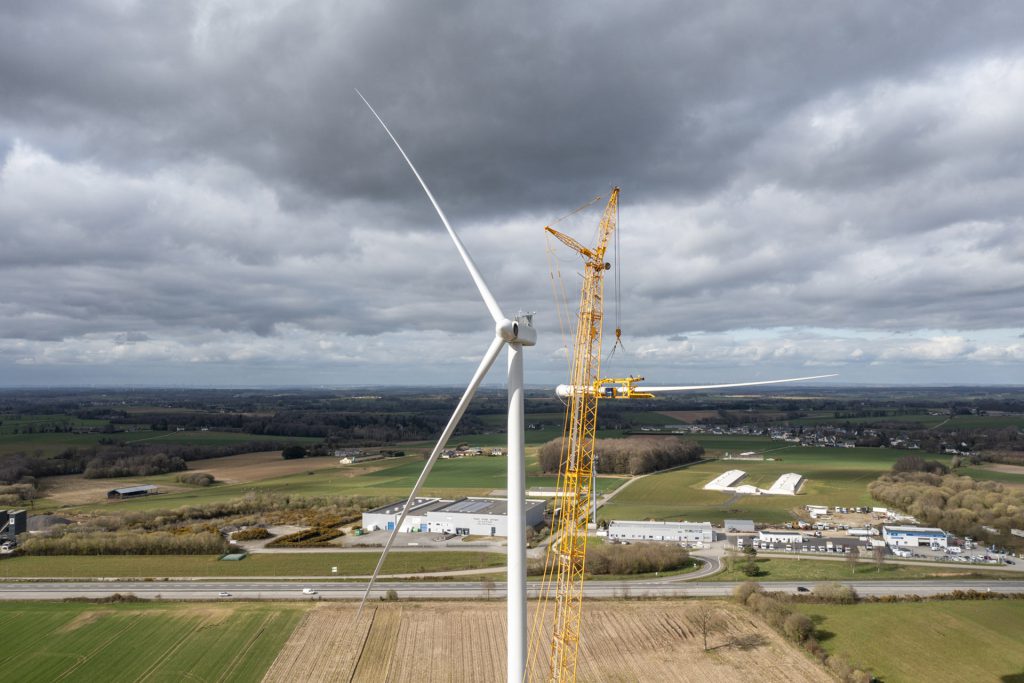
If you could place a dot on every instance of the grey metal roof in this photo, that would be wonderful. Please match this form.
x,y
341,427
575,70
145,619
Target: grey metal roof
x,y
135,489
419,505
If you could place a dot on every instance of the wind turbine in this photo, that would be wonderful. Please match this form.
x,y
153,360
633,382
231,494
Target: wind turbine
x,y
517,332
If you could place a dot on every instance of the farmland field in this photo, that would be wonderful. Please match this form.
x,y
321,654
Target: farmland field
x,y
958,640
259,564
52,443
391,478
623,641
139,641
835,476
1004,474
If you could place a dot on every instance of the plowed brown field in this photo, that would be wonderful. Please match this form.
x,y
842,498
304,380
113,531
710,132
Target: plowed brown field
x,y
464,641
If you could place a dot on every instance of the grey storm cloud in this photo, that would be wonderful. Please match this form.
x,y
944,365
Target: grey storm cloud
x,y
189,183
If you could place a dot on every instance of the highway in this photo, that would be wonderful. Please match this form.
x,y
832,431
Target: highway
x,y
292,590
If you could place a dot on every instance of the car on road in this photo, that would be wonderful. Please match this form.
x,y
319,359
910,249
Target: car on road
x,y
309,591
223,594
802,589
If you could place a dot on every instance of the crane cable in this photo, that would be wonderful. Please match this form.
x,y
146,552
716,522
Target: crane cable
x,y
558,292
618,286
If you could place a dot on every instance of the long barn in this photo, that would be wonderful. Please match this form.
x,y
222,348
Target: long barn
x,y
131,492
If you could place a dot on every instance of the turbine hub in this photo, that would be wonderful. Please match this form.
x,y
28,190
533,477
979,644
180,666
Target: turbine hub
x,y
518,331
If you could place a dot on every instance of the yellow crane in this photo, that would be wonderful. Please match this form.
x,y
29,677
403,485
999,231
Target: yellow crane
x,y
562,588
567,553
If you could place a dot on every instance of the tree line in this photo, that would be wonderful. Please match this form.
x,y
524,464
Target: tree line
x,y
116,460
961,505
632,455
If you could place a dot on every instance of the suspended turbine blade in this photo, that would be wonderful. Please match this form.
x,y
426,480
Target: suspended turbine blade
x,y
467,396
697,387
485,293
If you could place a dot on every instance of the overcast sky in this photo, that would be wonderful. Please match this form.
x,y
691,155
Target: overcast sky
x,y
193,194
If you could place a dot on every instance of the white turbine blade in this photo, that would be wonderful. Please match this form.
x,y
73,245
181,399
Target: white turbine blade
x,y
485,293
698,387
467,396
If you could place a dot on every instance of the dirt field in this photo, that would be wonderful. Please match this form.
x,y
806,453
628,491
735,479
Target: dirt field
x,y
624,641
1007,469
74,489
245,467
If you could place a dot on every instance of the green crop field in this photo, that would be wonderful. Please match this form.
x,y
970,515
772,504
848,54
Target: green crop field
x,y
926,641
259,564
818,569
52,443
458,477
11,424
925,420
140,641
983,473
834,476
985,422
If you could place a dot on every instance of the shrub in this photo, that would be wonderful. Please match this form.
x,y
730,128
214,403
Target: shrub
x,y
798,627
638,558
743,591
751,568
293,453
835,593
90,542
196,478
251,534
307,538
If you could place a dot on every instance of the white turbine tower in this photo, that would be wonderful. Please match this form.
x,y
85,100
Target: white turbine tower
x,y
516,333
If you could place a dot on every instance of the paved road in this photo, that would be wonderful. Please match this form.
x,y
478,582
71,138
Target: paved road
x,y
282,590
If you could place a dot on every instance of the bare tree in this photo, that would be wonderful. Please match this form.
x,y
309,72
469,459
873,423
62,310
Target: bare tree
x,y
707,620
878,553
852,558
730,557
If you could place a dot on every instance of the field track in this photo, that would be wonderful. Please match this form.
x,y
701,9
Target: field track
x,y
465,641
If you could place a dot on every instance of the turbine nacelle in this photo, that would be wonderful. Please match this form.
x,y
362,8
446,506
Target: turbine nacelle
x,y
518,331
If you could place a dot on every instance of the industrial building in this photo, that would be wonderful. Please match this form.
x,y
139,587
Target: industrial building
x,y
12,523
725,481
779,536
131,492
464,517
681,532
386,517
914,536
787,484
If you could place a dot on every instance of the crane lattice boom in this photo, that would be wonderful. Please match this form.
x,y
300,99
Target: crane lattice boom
x,y
577,458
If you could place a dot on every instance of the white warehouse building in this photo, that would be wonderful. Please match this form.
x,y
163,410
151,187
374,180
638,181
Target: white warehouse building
x,y
779,536
465,516
787,484
914,536
726,481
681,532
